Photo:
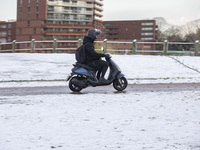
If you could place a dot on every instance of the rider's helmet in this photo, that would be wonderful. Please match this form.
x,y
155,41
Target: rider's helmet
x,y
93,33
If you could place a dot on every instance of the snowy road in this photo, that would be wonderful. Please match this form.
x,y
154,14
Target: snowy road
x,y
167,87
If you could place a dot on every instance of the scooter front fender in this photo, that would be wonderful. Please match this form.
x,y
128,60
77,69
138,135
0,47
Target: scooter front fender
x,y
120,75
69,77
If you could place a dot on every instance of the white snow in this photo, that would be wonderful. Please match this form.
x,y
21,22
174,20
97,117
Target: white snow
x,y
99,121
55,67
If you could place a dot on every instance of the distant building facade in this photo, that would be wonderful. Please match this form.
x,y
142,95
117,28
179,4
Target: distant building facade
x,y
141,30
129,30
7,31
57,19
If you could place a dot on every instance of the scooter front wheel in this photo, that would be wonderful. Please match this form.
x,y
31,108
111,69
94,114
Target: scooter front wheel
x,y
120,84
74,86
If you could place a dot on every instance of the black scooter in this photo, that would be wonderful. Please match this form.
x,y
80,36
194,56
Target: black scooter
x,y
83,76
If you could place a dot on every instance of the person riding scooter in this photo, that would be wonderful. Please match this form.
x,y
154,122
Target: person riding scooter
x,y
84,71
94,58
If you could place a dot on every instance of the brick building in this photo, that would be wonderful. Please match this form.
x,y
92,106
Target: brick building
x,y
60,19
141,30
7,31
129,30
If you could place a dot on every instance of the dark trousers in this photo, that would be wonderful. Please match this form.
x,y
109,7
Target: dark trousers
x,y
99,65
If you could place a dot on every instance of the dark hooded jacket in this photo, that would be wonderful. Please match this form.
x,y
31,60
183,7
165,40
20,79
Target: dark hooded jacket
x,y
90,52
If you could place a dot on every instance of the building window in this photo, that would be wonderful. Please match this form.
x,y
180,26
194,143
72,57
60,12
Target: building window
x,y
50,8
3,33
20,31
37,9
20,9
20,3
147,23
147,33
20,16
147,39
9,39
108,24
145,29
34,31
3,26
74,2
3,40
28,23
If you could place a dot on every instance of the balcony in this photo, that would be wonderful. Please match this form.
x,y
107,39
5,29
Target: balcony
x,y
72,33
98,13
69,4
99,2
98,18
64,11
70,19
100,8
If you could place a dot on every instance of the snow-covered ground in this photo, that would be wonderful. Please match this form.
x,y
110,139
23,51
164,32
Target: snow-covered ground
x,y
131,121
55,67
98,121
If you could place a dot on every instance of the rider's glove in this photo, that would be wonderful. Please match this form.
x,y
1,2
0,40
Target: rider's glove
x,y
106,56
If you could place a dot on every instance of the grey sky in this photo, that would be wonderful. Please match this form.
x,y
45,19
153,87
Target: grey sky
x,y
174,11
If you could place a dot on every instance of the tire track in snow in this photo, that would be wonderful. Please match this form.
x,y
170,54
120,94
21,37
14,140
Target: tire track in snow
x,y
160,87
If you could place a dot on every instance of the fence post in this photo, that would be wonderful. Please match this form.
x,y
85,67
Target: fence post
x,y
196,48
134,46
165,47
105,45
13,46
33,46
54,45
80,42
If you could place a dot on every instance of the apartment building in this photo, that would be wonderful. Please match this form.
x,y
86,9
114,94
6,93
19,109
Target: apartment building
x,y
141,30
129,30
57,19
7,31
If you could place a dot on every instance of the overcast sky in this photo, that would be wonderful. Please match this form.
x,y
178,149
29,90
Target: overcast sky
x,y
174,11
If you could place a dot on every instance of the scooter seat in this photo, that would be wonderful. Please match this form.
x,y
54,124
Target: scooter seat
x,y
85,66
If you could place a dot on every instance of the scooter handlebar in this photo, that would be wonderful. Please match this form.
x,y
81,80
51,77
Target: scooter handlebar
x,y
107,55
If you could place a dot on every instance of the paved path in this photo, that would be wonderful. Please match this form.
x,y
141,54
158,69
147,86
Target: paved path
x,y
22,91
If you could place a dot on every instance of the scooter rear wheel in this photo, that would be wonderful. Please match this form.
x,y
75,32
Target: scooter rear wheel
x,y
73,86
120,84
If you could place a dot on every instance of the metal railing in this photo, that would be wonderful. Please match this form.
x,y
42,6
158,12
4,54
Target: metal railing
x,y
114,47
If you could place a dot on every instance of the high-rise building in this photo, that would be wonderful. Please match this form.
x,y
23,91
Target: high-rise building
x,y
57,19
